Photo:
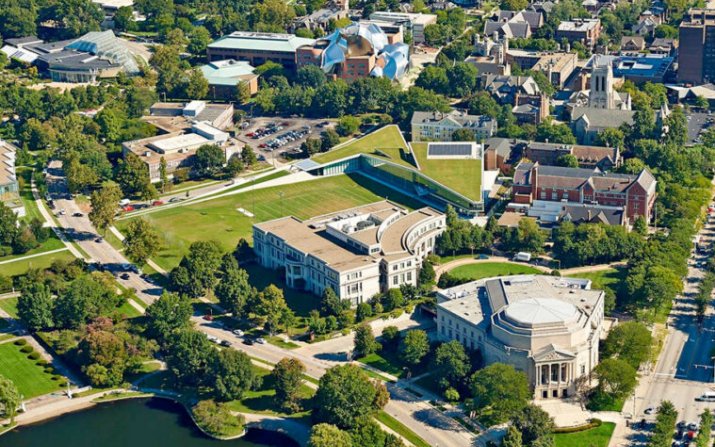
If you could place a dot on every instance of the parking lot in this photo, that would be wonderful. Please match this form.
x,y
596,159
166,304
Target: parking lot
x,y
279,137
697,124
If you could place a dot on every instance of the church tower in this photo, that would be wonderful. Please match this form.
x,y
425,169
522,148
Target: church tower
x,y
602,95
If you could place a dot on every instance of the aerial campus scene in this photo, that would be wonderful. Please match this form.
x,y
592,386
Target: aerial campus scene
x,y
357,223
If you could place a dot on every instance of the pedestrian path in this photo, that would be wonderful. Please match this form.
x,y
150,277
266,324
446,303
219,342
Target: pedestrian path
x,y
35,255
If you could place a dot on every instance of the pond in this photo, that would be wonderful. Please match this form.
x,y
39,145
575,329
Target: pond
x,y
131,423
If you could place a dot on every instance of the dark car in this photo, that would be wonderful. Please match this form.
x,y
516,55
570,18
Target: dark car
x,y
77,214
225,343
124,276
248,341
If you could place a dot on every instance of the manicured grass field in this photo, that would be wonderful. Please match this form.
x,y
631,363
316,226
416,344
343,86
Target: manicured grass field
x,y
463,176
605,279
489,269
261,400
31,210
16,268
220,221
596,437
9,305
401,429
386,140
384,361
30,379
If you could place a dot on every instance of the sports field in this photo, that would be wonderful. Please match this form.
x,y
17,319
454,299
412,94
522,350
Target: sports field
x,y
386,143
30,378
463,176
489,269
220,220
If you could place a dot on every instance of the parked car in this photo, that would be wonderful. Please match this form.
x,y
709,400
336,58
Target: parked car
x,y
124,276
157,203
208,317
238,333
649,410
247,341
225,343
77,214
261,340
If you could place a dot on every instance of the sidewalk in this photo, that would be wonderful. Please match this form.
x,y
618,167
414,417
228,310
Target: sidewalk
x,y
51,223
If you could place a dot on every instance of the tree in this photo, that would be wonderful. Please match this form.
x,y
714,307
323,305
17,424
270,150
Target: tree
x,y
310,76
434,78
75,17
34,306
18,18
554,133
195,274
499,391
233,374
514,5
198,41
105,203
345,394
288,377
365,343
234,290
368,434
273,308
84,299
616,377
414,346
208,159
567,161
348,125
141,241
630,341
132,175
512,438
9,398
168,314
248,155
327,435
188,357
704,434
331,304
662,435
452,362
197,86
163,174
463,134
611,138
328,139
392,299
124,19
462,79
427,274
535,425
483,104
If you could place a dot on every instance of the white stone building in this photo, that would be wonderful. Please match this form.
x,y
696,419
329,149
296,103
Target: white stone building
x,y
357,252
545,326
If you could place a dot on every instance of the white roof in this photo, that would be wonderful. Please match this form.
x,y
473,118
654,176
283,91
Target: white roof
x,y
180,142
541,311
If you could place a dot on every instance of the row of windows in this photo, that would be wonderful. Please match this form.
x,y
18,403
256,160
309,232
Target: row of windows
x,y
401,279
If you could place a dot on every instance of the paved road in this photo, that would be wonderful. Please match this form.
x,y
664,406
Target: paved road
x,y
684,369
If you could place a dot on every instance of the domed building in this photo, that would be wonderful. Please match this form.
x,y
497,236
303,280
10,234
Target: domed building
x,y
548,327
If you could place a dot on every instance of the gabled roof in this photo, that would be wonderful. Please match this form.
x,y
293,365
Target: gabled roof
x,y
602,118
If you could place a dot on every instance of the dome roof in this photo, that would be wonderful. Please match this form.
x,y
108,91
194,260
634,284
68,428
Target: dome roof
x,y
533,312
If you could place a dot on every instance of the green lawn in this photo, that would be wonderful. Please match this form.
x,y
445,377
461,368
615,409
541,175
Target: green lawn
x,y
31,211
386,143
21,267
596,437
463,176
489,269
401,429
9,305
219,219
384,361
612,279
301,302
128,310
261,400
30,379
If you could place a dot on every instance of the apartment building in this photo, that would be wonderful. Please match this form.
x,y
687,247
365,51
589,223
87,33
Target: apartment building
x,y
438,126
585,31
696,51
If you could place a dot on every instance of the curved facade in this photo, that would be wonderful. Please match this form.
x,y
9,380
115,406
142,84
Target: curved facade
x,y
548,327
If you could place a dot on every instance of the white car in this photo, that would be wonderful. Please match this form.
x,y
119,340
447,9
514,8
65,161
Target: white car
x,y
649,410
693,426
238,333
261,340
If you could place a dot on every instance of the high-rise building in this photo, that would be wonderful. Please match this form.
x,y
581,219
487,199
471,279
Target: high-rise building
x,y
696,57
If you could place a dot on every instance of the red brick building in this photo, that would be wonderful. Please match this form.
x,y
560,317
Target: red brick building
x,y
634,193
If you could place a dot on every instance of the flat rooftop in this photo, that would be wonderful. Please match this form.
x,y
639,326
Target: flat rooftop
x,y
255,41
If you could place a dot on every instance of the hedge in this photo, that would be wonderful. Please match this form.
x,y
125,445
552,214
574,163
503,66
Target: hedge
x,y
593,423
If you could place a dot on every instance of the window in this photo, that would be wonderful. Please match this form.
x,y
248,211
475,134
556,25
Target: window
x,y
394,280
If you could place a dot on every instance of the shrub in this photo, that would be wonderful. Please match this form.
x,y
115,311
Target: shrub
x,y
49,370
34,356
42,362
20,342
56,377
396,313
26,349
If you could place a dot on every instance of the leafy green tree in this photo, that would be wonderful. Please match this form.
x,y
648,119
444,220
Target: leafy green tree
x,y
189,357
630,341
272,307
348,125
310,76
368,434
132,175
392,299
327,435
288,377
234,290
217,419
567,161
209,159
18,18
195,274
555,133
197,86
514,5
345,394
35,305
331,99
248,155
482,103
232,374
84,299
535,425
365,343
666,416
500,392
611,138
168,314
141,241
704,434
433,78
414,346
462,79
616,377
427,274
124,19
105,203
199,39
512,438
76,17
452,362
463,135
9,398
331,304
328,139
